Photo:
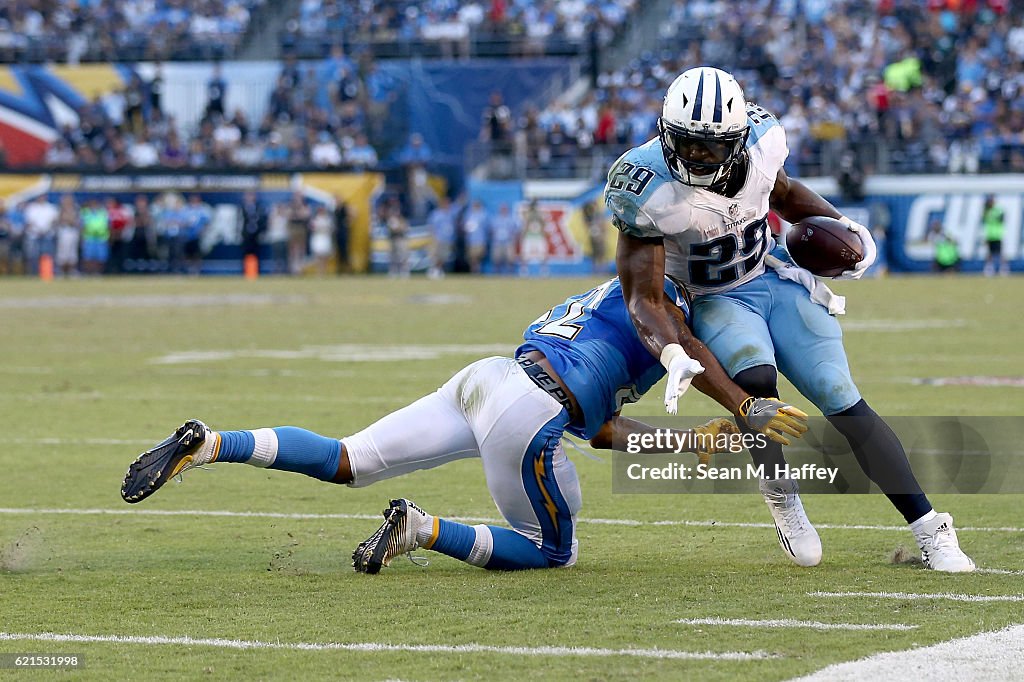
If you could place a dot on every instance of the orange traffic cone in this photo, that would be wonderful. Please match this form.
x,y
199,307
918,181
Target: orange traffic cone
x,y
46,267
251,266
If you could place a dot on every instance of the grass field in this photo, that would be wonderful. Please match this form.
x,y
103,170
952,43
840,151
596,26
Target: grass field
x,y
96,371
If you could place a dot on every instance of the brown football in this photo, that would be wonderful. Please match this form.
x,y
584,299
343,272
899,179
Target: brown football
x,y
824,246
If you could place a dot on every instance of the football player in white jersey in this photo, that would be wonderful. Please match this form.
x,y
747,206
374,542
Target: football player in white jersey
x,y
693,203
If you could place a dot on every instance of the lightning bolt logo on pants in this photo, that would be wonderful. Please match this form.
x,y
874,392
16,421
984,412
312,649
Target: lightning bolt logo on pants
x,y
541,475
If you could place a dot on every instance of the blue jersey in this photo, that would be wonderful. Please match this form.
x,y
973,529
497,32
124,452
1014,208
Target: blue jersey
x,y
593,346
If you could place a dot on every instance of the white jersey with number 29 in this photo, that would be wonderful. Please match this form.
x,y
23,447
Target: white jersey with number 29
x,y
712,242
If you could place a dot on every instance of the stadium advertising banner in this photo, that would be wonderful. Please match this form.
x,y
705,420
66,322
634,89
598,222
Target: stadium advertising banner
x,y
562,225
223,193
906,214
36,102
577,234
922,208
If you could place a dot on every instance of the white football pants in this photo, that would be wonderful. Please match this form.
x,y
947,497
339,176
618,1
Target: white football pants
x,y
492,410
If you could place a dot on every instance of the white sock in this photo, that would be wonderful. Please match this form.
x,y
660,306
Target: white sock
x,y
482,547
265,448
916,525
205,452
426,530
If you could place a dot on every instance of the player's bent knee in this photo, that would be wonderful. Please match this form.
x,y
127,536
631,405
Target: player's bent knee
x,y
760,381
561,556
833,390
560,559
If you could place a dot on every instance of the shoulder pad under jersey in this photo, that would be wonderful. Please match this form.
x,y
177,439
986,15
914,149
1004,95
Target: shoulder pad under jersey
x,y
632,180
766,143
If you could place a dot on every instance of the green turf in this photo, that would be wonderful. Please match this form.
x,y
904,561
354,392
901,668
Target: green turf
x,y
82,367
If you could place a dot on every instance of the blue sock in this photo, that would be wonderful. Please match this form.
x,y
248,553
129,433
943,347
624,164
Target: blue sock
x,y
510,551
305,452
513,552
297,450
236,446
454,539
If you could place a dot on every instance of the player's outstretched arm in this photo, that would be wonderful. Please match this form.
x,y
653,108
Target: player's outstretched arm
x,y
704,440
769,416
641,266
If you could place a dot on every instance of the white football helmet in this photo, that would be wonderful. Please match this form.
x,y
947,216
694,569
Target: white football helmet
x,y
703,126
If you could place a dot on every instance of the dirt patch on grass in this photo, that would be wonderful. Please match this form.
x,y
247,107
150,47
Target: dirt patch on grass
x,y
19,555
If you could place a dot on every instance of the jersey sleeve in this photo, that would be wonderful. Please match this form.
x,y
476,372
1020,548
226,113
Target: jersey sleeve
x,y
677,294
631,181
767,139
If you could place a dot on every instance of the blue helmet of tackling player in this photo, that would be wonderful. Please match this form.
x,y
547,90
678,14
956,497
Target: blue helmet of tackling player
x,y
703,126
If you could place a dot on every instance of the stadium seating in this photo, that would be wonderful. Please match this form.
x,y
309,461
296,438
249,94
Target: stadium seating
x,y
910,88
129,30
945,96
446,28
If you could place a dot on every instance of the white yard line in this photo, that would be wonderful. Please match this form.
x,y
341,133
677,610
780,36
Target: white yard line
x,y
998,571
990,656
127,511
948,596
381,647
80,441
786,623
172,301
901,325
352,352
198,512
309,398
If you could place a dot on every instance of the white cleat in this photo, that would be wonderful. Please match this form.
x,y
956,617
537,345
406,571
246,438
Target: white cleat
x,y
191,445
797,536
940,549
395,537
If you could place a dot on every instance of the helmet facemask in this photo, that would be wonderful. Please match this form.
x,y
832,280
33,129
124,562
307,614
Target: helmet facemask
x,y
700,158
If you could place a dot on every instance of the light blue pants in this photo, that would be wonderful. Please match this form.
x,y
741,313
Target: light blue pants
x,y
772,321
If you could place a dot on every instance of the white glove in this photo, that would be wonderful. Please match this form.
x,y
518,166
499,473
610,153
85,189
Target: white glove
x,y
870,252
681,371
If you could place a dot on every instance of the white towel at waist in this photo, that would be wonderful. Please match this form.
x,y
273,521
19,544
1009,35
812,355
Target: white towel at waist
x,y
821,294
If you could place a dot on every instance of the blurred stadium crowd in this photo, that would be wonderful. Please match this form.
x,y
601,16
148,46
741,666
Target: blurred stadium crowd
x,y
133,30
909,86
128,128
456,29
897,86
126,30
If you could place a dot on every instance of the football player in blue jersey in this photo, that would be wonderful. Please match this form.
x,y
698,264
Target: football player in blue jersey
x,y
693,203
577,366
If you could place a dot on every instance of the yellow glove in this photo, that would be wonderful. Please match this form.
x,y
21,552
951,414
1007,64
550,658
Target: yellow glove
x,y
774,418
706,438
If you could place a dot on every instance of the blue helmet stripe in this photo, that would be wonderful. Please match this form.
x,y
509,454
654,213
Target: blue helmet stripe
x,y
698,104
717,117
